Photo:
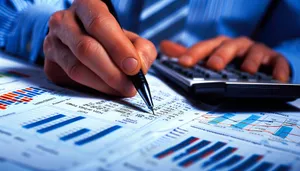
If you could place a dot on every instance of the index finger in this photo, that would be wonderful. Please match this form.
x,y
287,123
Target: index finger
x,y
101,24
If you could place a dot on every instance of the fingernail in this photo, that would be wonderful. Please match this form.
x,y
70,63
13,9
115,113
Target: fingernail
x,y
265,60
186,59
216,61
130,64
282,76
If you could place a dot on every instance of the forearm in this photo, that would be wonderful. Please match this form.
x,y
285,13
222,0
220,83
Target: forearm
x,y
24,25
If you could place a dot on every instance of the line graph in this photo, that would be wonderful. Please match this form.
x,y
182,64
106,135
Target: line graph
x,y
271,127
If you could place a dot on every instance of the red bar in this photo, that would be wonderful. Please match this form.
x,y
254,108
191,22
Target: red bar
x,y
188,164
207,154
18,74
8,98
21,91
162,156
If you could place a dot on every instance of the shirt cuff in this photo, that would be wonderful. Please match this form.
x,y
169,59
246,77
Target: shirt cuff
x,y
31,26
291,53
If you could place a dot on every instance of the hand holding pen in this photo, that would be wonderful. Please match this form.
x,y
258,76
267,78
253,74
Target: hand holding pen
x,y
86,46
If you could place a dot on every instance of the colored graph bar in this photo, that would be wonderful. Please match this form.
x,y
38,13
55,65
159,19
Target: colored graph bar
x,y
175,148
201,155
98,135
21,96
192,149
283,168
229,162
263,166
219,156
43,121
248,163
221,118
283,132
246,122
13,74
5,102
74,134
17,74
60,124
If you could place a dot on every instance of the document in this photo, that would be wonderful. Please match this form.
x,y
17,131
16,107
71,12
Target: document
x,y
47,127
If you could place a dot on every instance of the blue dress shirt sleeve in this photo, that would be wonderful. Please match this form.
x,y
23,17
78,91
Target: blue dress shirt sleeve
x,y
24,25
291,51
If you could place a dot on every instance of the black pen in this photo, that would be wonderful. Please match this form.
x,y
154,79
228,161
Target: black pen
x,y
139,80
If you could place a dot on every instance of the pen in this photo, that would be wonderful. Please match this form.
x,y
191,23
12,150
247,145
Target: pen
x,y
139,80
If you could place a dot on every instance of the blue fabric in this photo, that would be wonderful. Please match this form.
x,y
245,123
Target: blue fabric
x,y
23,23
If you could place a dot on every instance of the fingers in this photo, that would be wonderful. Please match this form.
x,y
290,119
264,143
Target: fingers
x,y
227,51
281,70
89,52
145,49
100,24
172,49
73,67
200,51
57,75
255,56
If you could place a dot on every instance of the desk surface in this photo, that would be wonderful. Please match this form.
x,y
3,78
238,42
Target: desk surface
x,y
46,127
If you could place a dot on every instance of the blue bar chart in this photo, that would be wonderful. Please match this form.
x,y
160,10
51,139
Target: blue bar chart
x,y
221,118
43,121
248,162
204,154
60,124
263,166
98,135
192,149
283,132
219,156
74,134
201,155
282,168
54,122
175,148
242,124
229,162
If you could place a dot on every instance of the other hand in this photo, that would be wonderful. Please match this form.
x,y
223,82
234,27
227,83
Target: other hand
x,y
86,46
222,50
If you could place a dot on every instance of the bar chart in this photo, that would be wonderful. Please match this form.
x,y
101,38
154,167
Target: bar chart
x,y
283,132
274,128
81,136
12,73
246,122
20,96
175,148
213,155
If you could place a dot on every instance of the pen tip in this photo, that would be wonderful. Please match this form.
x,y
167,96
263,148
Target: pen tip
x,y
153,112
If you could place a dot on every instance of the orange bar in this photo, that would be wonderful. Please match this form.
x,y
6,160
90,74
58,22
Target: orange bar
x,y
28,88
20,91
2,108
8,94
25,100
8,98
13,94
